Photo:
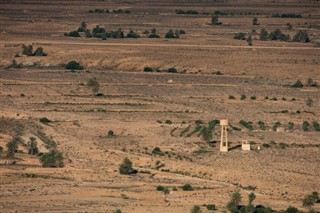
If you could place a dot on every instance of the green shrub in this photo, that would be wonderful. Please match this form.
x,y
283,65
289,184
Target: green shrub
x,y
298,84
125,167
83,27
187,187
255,21
73,65
147,69
266,145
290,125
53,158
133,34
153,35
211,207
309,102
243,97
171,34
262,125
33,146
1,149
111,134
283,145
316,125
12,147
301,36
231,97
305,126
27,50
291,209
168,122
172,70
117,211
278,35
253,97
74,34
162,188
274,99
157,151
240,36
246,124
44,120
276,125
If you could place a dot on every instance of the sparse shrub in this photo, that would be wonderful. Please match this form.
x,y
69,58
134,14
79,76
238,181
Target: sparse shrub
x,y
253,97
39,52
117,211
243,97
93,84
316,125
44,120
162,188
283,145
309,102
1,149
240,36
153,35
249,40
231,97
266,145
145,32
274,99
301,36
187,187
215,20
125,167
196,209
308,201
33,146
264,35
283,98
73,65
181,32
289,26
15,65
206,133
147,69
255,21
172,70
276,125
54,158
87,34
298,84
305,126
278,35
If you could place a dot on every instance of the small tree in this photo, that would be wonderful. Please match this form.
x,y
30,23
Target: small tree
x,y
235,201
54,158
83,27
93,84
33,146
264,35
125,167
301,36
255,21
12,147
27,50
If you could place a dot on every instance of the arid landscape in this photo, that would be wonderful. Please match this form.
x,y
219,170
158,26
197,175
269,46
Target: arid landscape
x,y
139,94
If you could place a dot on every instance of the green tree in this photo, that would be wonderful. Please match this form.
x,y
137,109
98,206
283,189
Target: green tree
x,y
73,65
54,158
33,146
93,84
125,167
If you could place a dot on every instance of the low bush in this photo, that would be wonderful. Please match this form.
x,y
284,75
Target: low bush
x,y
210,207
171,34
44,120
111,134
172,70
215,20
231,97
196,209
73,65
290,125
162,188
262,125
253,97
168,122
240,36
74,34
298,84
243,97
147,69
187,187
157,151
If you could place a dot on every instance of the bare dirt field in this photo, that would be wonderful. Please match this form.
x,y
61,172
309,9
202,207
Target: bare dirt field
x,y
160,109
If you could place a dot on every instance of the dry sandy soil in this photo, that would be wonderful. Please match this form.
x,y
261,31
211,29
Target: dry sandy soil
x,y
136,105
